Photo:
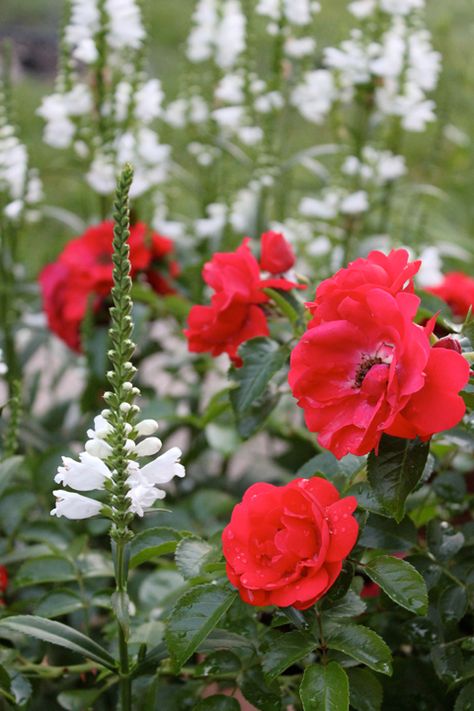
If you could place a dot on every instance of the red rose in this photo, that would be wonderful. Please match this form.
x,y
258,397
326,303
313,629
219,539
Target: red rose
x,y
277,256
82,275
373,371
285,545
234,314
457,289
391,272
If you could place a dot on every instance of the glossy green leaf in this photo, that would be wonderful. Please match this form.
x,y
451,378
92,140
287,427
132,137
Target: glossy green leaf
x,y
395,471
263,694
60,635
285,650
350,605
386,534
325,688
152,543
465,698
366,691
363,644
219,702
443,540
79,699
400,581
262,358
195,614
191,555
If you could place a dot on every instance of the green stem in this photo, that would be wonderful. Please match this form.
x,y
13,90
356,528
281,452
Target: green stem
x,y
121,573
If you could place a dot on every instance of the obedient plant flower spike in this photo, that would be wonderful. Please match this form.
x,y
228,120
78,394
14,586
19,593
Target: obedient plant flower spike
x,y
122,371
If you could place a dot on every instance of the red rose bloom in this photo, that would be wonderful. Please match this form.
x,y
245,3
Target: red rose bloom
x,y
457,289
371,370
277,256
234,314
392,273
285,545
82,275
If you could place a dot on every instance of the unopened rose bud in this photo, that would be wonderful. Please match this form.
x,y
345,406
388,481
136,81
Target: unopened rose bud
x,y
449,342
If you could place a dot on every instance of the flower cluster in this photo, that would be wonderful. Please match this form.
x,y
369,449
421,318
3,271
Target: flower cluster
x,y
457,289
91,472
399,64
104,114
20,186
285,544
235,313
364,367
81,278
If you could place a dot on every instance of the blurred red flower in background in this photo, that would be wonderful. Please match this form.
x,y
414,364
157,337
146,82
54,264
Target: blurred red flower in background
x,y
457,289
81,278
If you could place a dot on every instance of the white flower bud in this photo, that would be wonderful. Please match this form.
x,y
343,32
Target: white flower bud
x,y
125,407
87,474
98,448
102,428
74,506
129,445
148,447
146,428
127,386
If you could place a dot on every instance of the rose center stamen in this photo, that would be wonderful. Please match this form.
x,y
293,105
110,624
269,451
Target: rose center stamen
x,y
365,365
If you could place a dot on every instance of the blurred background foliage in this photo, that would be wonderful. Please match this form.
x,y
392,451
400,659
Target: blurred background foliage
x,y
442,156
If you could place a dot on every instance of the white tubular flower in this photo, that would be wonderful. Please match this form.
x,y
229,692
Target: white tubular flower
x,y
102,428
230,36
74,506
125,24
85,475
98,448
145,428
362,8
355,203
148,447
142,497
3,365
315,95
164,468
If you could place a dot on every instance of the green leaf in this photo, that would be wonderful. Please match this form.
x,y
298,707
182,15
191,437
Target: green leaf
x,y
45,569
61,635
191,555
453,603
340,471
59,602
79,699
465,699
8,468
325,688
262,358
152,543
263,695
219,702
366,691
219,662
385,533
395,471
348,606
249,422
366,498
195,614
285,650
400,581
363,644
443,540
